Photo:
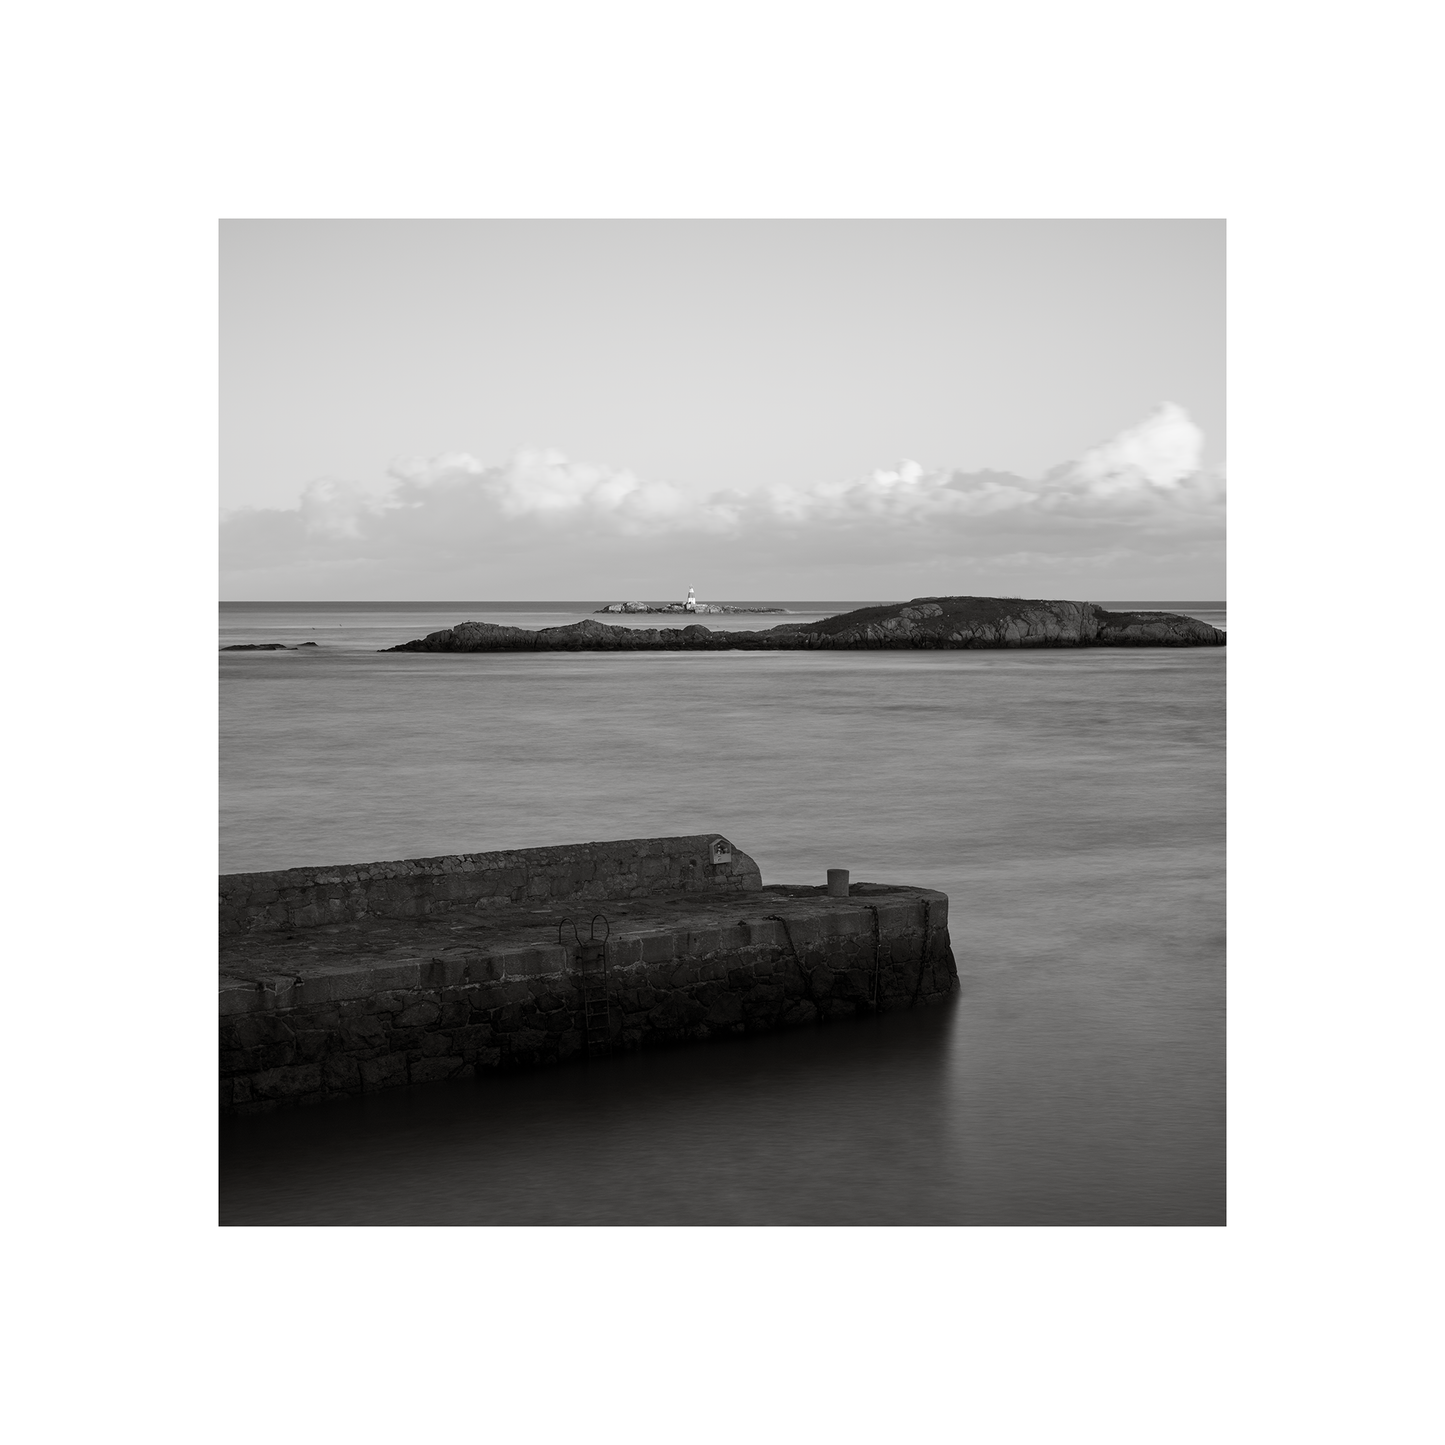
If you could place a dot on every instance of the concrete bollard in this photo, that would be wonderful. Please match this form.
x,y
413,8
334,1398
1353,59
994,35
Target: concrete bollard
x,y
837,883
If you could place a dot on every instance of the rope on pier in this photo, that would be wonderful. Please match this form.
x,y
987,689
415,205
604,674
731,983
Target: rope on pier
x,y
807,977
922,957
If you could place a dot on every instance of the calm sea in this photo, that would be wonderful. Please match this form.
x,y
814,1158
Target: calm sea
x,y
1071,804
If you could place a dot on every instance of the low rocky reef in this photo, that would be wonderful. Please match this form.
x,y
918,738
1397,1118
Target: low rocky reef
x,y
268,646
681,608
926,622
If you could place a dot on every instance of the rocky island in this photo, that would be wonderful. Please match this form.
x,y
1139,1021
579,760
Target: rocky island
x,y
925,622
268,646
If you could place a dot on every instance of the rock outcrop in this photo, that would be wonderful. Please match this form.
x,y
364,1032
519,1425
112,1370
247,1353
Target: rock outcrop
x,y
926,622
267,646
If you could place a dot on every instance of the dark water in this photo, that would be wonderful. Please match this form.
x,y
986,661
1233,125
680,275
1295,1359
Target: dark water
x,y
1070,803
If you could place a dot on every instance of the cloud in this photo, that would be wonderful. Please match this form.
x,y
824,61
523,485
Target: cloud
x,y
545,486
1142,492
1162,451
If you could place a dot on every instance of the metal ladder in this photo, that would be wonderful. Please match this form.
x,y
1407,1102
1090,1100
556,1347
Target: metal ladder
x,y
594,981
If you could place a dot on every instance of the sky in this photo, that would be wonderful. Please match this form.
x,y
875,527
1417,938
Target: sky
x,y
758,409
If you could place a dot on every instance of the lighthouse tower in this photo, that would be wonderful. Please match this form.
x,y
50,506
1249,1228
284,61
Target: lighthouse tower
x,y
691,604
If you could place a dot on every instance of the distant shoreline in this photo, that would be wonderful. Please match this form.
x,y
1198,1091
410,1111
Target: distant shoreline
x,y
590,605
925,622
680,609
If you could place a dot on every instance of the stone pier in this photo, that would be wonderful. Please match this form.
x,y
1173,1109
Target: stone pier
x,y
339,981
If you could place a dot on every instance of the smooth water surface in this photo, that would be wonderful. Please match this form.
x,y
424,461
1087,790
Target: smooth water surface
x,y
1071,804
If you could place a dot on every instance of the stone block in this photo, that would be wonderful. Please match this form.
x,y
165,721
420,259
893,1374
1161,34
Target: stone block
x,y
342,1073
765,996
288,1082
482,998
238,996
765,933
327,1017
403,973
806,930
330,984
278,991
526,1041
842,954
724,1008
734,939
895,916
658,947
677,1011
623,952
312,1044
270,1056
467,1041
366,1032
704,942
419,1015
257,1030
533,962
384,1072
435,1045
850,923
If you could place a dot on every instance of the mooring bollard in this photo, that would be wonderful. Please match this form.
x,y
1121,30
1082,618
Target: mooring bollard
x,y
837,883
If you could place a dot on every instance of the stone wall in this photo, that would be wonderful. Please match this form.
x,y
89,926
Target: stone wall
x,y
415,887
347,1030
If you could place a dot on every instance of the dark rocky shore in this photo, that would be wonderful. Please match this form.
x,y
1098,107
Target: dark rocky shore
x,y
267,646
926,622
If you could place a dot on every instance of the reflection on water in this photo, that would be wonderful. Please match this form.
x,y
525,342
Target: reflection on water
x,y
1070,804
748,1131
931,1117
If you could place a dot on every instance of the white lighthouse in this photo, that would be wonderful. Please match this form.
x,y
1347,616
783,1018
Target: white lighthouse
x,y
691,604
